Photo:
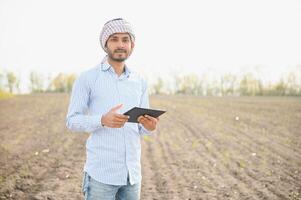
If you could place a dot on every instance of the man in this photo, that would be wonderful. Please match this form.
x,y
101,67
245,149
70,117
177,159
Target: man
x,y
99,96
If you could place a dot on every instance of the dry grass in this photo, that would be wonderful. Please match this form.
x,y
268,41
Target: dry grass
x,y
5,95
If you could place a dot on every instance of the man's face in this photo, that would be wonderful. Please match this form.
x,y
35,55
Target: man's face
x,y
119,47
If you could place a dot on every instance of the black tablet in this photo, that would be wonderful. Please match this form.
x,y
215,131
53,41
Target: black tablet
x,y
136,112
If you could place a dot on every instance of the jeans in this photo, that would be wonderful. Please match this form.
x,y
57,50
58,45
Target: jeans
x,y
94,190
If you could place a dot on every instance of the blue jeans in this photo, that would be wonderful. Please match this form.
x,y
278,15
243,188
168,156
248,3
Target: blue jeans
x,y
94,190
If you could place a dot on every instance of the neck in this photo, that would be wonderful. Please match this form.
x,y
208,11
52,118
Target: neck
x,y
118,66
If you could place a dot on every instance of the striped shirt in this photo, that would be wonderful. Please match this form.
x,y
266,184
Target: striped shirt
x,y
113,154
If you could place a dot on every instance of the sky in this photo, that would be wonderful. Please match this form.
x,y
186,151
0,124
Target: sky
x,y
172,37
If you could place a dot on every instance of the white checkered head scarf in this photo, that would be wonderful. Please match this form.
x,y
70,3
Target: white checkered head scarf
x,y
118,25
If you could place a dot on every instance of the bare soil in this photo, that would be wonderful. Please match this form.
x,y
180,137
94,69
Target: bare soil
x,y
204,148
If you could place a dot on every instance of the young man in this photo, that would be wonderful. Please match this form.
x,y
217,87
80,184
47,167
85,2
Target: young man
x,y
99,96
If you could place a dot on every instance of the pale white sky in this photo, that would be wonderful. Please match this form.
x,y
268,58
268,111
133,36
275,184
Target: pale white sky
x,y
214,36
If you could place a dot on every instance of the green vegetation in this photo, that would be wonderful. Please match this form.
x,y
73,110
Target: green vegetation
x,y
247,84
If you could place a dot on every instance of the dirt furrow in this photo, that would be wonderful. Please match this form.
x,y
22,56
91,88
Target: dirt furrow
x,y
219,154
201,151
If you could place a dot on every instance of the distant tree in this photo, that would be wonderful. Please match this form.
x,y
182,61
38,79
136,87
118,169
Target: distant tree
x,y
188,84
279,88
70,80
59,83
18,85
260,88
292,87
244,85
228,82
48,83
12,81
36,82
250,86
1,82
158,86
213,88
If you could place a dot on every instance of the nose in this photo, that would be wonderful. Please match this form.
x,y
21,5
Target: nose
x,y
120,44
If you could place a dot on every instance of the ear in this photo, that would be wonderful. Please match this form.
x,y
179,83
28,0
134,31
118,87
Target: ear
x,y
106,46
133,45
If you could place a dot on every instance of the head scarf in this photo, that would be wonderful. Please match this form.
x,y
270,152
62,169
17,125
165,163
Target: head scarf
x,y
118,25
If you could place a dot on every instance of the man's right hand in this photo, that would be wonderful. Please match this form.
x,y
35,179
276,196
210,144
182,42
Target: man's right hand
x,y
114,120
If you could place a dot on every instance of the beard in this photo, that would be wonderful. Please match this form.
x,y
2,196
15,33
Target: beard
x,y
118,55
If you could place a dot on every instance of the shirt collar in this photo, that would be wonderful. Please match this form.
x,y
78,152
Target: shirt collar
x,y
106,66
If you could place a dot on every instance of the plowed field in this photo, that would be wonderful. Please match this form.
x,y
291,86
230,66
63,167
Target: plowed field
x,y
204,148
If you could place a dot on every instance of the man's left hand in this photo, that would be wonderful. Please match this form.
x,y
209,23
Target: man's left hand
x,y
150,123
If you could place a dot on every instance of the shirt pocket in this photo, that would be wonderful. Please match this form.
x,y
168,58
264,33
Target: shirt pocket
x,y
131,92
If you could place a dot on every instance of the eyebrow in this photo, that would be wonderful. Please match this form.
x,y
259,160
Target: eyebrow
x,y
125,37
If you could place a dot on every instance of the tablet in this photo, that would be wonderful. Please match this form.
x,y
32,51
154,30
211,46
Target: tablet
x,y
136,112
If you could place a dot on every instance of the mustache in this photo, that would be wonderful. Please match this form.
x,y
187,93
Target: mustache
x,y
120,51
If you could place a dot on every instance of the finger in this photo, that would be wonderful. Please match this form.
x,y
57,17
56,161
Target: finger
x,y
115,124
116,120
141,119
120,116
153,119
114,109
149,117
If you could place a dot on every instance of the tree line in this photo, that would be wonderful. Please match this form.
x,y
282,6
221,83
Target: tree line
x,y
246,84
226,85
62,82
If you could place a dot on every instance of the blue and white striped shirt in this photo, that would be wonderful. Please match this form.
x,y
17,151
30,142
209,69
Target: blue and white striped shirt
x,y
112,153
